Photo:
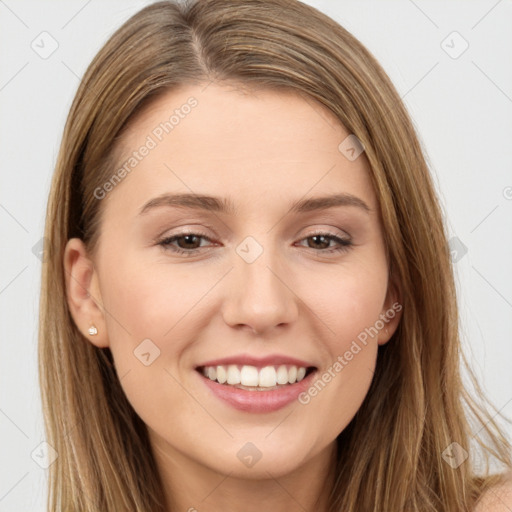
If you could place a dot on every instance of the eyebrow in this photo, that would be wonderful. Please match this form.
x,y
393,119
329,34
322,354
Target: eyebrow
x,y
225,205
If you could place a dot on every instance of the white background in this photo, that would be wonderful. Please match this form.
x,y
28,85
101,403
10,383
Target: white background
x,y
462,108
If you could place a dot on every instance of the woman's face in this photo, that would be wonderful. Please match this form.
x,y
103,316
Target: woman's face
x,y
268,283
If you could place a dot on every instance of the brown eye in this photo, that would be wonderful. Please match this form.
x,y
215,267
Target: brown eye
x,y
322,241
187,243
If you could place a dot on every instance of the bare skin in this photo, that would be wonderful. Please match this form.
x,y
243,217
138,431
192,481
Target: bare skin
x,y
264,150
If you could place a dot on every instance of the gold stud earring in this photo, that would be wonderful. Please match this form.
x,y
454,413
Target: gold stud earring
x,y
93,331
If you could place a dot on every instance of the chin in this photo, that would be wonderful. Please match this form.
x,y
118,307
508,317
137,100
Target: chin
x,y
261,458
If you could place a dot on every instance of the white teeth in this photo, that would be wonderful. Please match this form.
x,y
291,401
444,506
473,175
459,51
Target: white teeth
x,y
268,377
282,375
250,376
222,375
233,374
292,374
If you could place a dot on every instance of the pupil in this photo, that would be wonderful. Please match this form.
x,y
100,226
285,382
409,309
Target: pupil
x,y
188,238
316,237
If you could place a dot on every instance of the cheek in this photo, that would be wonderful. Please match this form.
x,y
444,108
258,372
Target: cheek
x,y
148,302
350,305
149,328
350,301
351,314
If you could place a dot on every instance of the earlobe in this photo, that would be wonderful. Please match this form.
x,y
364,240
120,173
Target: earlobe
x,y
391,312
83,293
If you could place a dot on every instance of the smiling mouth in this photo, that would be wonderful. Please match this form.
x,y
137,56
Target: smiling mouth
x,y
252,378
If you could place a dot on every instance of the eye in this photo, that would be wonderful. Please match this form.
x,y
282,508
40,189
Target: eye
x,y
324,239
190,243
185,241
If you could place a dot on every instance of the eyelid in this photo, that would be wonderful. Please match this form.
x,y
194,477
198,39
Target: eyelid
x,y
186,229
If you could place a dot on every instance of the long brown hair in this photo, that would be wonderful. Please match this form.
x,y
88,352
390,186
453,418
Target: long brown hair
x,y
390,457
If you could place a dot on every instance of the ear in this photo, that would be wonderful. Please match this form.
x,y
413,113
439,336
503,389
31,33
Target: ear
x,y
83,292
391,311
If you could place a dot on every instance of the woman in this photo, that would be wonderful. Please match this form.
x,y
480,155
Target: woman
x,y
249,303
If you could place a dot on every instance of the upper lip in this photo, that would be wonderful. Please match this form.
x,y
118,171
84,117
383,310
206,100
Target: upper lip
x,y
259,362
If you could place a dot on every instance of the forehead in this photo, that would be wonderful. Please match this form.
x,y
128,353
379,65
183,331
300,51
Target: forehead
x,y
238,141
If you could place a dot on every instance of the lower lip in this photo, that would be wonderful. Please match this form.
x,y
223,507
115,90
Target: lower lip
x,y
259,401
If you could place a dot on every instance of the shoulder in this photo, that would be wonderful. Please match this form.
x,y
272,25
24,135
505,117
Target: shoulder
x,y
497,498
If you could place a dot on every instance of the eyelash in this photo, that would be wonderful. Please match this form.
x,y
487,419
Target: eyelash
x,y
344,245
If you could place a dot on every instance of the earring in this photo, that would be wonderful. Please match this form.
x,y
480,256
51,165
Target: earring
x,y
93,331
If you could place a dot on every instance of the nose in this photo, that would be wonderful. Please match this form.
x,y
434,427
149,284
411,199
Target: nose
x,y
260,296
